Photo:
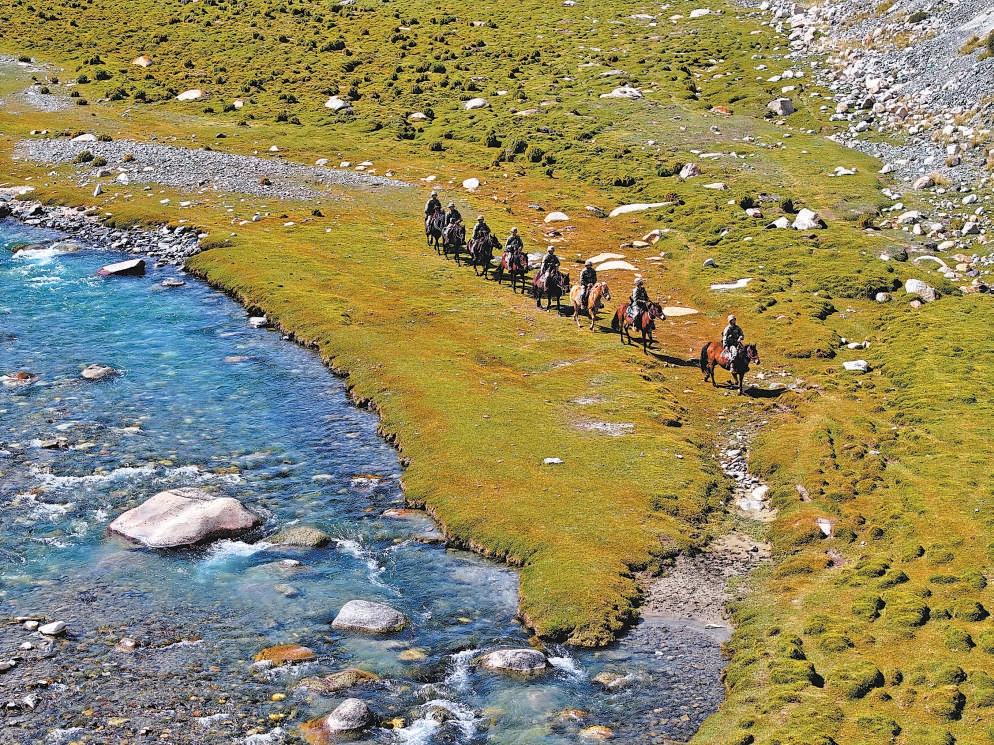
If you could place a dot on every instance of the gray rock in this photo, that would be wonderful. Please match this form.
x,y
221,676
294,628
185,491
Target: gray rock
x,y
709,262
882,297
184,517
690,170
781,106
97,372
923,182
365,615
860,366
807,220
98,190
350,715
925,291
172,282
129,268
258,322
301,536
55,628
780,222
516,660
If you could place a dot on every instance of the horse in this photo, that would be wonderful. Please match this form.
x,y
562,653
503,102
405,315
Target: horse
x,y
555,286
621,323
481,253
434,224
514,264
595,301
713,354
453,238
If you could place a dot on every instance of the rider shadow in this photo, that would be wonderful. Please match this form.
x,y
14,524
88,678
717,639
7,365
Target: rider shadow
x,y
755,392
674,361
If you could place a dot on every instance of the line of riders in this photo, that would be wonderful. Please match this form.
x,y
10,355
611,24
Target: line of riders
x,y
639,312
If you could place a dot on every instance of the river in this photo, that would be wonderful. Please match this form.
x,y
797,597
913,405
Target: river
x,y
202,399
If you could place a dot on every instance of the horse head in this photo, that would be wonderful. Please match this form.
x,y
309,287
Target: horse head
x,y
605,291
656,311
751,353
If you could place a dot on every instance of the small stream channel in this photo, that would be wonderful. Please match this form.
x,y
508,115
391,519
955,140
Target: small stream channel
x,y
204,400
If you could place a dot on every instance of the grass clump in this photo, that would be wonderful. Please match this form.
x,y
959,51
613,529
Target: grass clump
x,y
84,156
855,680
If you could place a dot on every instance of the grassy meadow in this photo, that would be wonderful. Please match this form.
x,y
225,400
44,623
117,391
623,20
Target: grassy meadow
x,y
879,633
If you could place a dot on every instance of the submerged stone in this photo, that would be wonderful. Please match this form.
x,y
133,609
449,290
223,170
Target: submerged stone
x,y
301,536
336,682
365,615
515,660
97,371
285,653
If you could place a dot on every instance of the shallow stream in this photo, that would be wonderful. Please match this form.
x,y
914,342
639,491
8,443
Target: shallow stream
x,y
204,400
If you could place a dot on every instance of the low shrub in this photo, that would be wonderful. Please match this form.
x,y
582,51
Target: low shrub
x,y
956,639
834,643
84,156
946,703
969,610
97,162
855,680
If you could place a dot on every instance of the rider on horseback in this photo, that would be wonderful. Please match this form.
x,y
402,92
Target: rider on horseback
x,y
588,278
433,205
550,264
452,215
639,304
481,229
513,244
731,338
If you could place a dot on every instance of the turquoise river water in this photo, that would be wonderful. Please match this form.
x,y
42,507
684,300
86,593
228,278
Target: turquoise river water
x,y
204,400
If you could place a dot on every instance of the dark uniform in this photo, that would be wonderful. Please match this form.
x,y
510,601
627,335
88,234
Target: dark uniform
x,y
588,278
480,230
550,263
432,206
514,244
452,216
639,304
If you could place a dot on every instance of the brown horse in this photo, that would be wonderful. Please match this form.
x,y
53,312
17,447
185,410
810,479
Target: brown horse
x,y
481,253
646,323
595,301
453,239
713,354
515,265
555,285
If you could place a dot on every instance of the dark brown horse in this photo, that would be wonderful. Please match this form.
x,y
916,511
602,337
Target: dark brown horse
x,y
554,286
516,265
646,324
453,239
481,253
713,354
434,224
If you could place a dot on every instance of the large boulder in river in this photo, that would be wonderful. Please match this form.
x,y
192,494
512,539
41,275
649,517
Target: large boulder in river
x,y
350,715
184,517
365,615
301,536
96,371
130,268
516,660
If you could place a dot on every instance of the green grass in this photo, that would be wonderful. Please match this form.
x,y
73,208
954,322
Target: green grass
x,y
876,634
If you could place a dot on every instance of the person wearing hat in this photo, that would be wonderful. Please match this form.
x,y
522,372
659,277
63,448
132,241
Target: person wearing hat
x,y
550,263
433,205
481,229
588,278
639,304
731,338
514,244
452,215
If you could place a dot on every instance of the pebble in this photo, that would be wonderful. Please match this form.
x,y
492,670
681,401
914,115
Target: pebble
x,y
55,628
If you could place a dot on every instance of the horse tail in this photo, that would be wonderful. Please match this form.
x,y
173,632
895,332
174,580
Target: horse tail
x,y
704,356
615,323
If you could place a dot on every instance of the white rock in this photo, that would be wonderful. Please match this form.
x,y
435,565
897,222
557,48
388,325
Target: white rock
x,y
690,170
806,220
780,222
910,217
6,665
258,322
129,268
856,366
321,162
143,61
84,138
53,629
700,12
717,185
552,461
98,190
190,95
625,91
882,297
923,182
365,615
337,104
781,106
557,217
471,184
653,236
476,103
925,291
615,265
709,262
626,208
238,103
417,116
516,660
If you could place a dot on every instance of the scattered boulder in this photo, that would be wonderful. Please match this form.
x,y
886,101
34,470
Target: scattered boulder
x,y
754,212
97,371
285,653
626,208
556,217
258,322
190,95
142,61
595,211
418,116
336,681
700,12
807,220
781,106
301,536
337,104
98,190
925,291
184,517
129,268
515,660
88,137
625,91
882,297
352,714
717,186
172,282
616,265
18,379
923,182
476,103
365,615
860,366
471,184
910,217
709,263
690,170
